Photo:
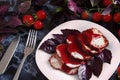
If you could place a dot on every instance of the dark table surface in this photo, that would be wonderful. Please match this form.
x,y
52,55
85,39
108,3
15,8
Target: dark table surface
x,y
30,70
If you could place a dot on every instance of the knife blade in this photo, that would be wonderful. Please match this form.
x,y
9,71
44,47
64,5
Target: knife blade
x,y
8,54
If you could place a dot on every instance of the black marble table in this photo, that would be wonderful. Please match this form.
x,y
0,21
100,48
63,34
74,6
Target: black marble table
x,y
30,70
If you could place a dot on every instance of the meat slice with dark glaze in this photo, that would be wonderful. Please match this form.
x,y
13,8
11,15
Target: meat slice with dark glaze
x,y
69,60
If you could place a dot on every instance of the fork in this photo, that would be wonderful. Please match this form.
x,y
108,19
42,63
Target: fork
x,y
29,48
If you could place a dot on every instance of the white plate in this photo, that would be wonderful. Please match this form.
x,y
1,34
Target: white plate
x,y
108,69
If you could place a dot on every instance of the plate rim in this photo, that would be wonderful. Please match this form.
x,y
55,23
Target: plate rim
x,y
61,25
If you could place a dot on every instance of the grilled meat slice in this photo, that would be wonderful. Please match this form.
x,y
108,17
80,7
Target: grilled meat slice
x,y
69,60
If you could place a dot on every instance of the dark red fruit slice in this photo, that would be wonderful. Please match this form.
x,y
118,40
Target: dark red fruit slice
x,y
75,49
61,50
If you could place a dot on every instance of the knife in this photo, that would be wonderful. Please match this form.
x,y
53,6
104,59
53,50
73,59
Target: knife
x,y
8,54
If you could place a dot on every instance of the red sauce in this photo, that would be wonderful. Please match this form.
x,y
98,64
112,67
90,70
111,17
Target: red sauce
x,y
89,35
65,55
66,68
74,47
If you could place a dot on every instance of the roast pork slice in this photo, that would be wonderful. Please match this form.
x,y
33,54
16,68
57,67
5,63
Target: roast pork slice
x,y
56,63
69,60
75,49
95,39
69,70
86,48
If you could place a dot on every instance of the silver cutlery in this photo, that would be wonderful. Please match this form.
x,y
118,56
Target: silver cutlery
x,y
8,54
29,48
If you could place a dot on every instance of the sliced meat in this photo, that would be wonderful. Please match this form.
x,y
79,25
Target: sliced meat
x,y
66,57
56,63
89,49
75,49
95,39
69,70
99,42
85,47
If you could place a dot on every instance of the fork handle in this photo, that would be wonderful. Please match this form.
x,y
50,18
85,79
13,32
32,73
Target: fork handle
x,y
19,69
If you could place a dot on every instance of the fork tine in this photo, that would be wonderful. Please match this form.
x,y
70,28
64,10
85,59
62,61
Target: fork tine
x,y
31,41
32,38
35,38
28,38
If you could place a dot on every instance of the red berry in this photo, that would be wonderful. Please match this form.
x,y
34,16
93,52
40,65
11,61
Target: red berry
x,y
96,16
107,18
116,17
41,15
118,72
28,20
38,25
107,2
119,32
84,15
